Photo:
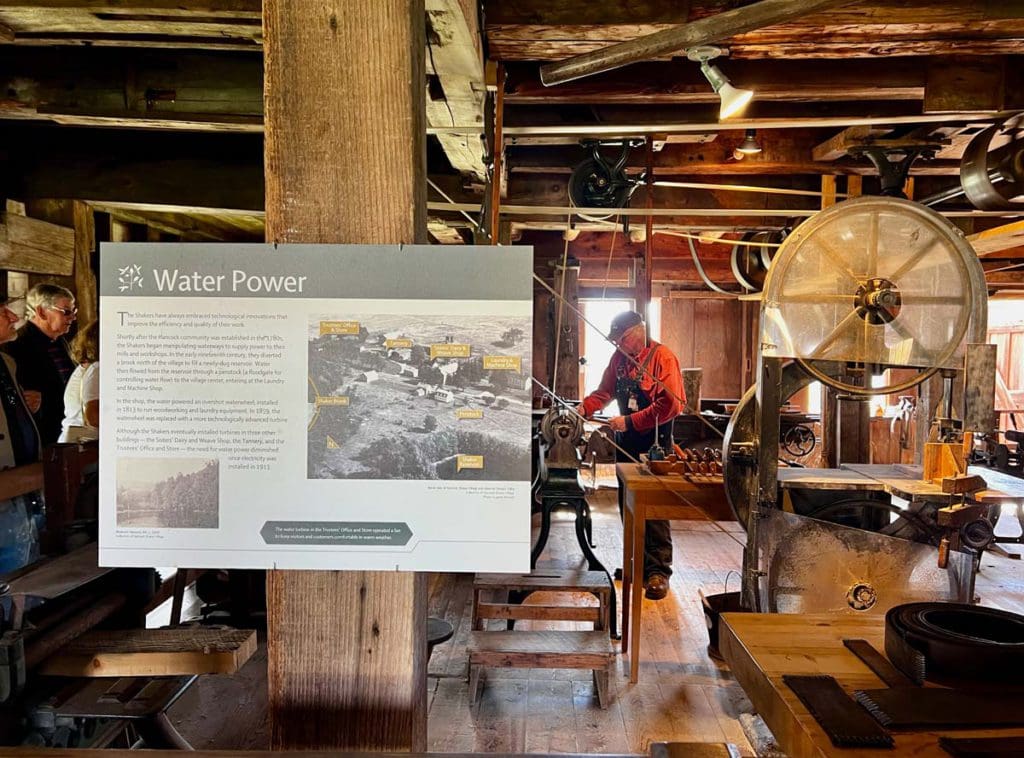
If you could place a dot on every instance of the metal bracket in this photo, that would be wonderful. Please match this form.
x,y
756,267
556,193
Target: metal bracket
x,y
893,163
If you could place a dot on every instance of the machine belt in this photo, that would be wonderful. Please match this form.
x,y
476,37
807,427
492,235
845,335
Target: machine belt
x,y
982,747
878,663
846,724
954,642
927,708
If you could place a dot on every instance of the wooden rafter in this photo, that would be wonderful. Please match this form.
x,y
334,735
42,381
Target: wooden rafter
x,y
999,239
455,58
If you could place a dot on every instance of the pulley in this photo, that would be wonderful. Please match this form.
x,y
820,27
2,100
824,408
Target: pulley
x,y
878,282
750,261
992,168
598,183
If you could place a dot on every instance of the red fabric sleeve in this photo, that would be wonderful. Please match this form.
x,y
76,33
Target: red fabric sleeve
x,y
667,396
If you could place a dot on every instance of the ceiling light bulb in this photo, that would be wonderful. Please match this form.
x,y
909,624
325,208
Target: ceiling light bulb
x,y
749,145
733,100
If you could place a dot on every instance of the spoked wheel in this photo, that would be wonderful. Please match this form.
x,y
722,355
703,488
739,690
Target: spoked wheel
x,y
877,282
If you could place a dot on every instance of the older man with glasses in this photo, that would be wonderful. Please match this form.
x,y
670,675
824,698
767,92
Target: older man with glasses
x,y
43,361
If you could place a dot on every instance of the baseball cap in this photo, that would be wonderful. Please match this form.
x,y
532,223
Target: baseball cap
x,y
623,322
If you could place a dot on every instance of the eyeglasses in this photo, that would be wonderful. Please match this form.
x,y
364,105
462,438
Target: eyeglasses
x,y
68,312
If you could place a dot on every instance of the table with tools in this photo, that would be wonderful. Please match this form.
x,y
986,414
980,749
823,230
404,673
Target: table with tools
x,y
673,497
764,649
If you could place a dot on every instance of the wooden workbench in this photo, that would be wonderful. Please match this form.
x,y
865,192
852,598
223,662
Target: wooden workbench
x,y
761,648
899,480
649,497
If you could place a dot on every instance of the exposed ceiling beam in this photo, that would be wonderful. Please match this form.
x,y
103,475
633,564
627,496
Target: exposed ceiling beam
x,y
542,30
456,92
677,39
681,82
999,239
784,152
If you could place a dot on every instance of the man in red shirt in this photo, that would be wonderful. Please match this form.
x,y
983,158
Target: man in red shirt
x,y
649,397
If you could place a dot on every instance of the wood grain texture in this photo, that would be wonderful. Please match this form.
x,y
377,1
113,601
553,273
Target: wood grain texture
x,y
28,244
85,278
345,162
153,652
761,648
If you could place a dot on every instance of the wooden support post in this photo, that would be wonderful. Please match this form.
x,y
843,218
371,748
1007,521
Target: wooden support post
x,y
86,297
566,382
645,288
499,155
346,162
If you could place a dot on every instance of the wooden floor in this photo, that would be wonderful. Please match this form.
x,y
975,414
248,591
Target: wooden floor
x,y
682,693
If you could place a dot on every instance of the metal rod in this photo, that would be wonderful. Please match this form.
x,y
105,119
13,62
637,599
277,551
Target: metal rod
x,y
956,191
711,29
743,188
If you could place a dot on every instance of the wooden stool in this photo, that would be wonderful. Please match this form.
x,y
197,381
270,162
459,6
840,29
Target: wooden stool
x,y
542,650
543,580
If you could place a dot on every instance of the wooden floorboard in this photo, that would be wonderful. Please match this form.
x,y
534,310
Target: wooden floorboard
x,y
682,693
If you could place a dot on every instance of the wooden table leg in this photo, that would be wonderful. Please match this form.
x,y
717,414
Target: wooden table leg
x,y
627,572
639,528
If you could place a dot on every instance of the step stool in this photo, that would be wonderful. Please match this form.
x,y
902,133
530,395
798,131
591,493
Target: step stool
x,y
542,580
542,650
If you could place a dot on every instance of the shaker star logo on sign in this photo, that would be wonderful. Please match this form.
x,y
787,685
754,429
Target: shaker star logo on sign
x,y
129,277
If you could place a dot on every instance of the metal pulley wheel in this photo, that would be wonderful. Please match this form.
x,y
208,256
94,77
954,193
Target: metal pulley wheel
x,y
878,282
560,425
750,261
992,168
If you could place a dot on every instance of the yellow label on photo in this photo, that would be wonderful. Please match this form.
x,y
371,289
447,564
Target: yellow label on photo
x,y
503,363
468,461
331,443
469,413
339,327
449,350
398,343
332,400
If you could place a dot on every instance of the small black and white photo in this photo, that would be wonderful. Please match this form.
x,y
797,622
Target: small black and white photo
x,y
168,493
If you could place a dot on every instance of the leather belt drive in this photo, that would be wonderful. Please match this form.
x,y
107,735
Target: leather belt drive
x,y
954,643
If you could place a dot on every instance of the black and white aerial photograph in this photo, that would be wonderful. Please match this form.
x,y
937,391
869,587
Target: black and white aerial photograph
x,y
404,396
168,493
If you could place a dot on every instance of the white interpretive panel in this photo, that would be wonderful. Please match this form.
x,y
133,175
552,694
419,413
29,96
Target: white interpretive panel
x,y
315,406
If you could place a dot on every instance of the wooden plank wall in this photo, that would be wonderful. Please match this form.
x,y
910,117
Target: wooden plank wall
x,y
707,333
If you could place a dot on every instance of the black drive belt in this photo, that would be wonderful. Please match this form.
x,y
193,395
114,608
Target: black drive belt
x,y
940,708
878,663
983,747
845,723
954,642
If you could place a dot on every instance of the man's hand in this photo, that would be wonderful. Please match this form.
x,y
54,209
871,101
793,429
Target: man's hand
x,y
617,423
33,399
581,411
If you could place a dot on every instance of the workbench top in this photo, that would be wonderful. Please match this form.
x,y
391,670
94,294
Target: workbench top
x,y
761,648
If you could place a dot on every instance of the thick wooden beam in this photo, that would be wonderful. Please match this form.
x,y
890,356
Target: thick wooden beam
x,y
6,33
86,296
541,30
784,152
346,650
681,82
28,244
966,83
997,240
139,89
456,56
714,28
